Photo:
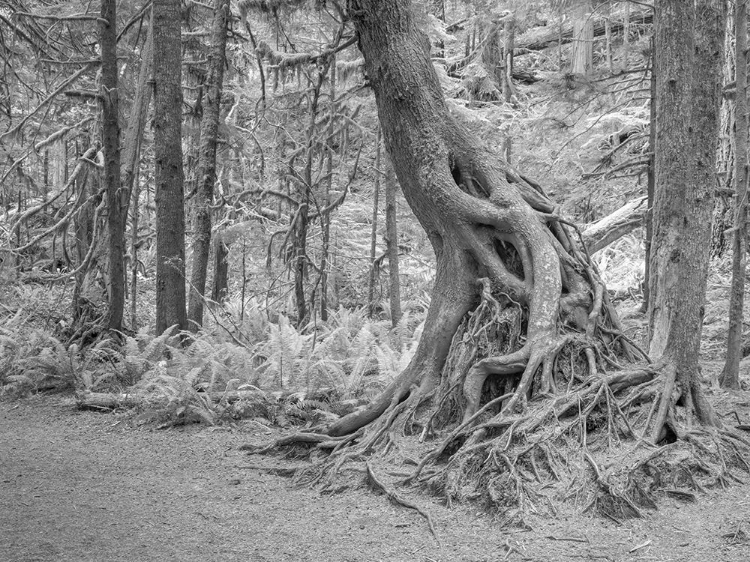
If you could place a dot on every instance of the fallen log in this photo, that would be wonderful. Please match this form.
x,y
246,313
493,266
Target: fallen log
x,y
605,231
540,38
87,400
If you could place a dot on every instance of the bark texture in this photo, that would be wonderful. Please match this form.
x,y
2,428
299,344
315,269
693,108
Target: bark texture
x,y
111,149
207,163
391,237
583,39
689,46
168,175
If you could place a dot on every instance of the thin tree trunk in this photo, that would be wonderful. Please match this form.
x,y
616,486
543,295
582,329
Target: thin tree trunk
x,y
207,164
374,235
325,218
300,237
509,36
583,40
391,236
626,37
168,175
221,270
608,35
730,375
137,121
131,165
111,149
134,215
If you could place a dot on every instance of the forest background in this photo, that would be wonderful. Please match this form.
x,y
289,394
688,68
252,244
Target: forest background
x,y
294,282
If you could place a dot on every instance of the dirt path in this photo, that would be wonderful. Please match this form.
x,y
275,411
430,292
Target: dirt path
x,y
79,486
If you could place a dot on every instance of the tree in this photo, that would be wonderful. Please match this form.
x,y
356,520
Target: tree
x,y
170,209
730,375
493,231
111,153
207,163
522,356
374,264
583,39
689,45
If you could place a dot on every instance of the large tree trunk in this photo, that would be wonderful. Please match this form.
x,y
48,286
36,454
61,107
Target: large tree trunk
x,y
207,164
111,149
168,175
484,222
689,47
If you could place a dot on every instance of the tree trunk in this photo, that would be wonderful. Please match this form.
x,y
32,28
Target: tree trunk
x,y
689,47
583,39
168,174
626,37
374,233
493,232
137,120
221,270
731,373
207,164
492,55
131,165
325,218
111,150
391,236
509,39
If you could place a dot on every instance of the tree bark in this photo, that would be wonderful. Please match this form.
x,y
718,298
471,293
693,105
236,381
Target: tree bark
x,y
374,233
583,39
509,39
391,237
137,120
689,46
221,271
207,163
731,373
111,150
605,231
168,175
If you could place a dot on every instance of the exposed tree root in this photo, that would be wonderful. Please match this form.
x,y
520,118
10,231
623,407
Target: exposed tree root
x,y
524,391
376,483
611,441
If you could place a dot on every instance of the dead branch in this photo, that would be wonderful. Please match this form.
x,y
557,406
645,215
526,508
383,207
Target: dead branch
x,y
75,76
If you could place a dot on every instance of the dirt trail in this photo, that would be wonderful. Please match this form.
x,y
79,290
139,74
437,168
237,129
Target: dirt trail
x,y
79,486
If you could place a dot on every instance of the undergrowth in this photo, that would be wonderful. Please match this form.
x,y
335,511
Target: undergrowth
x,y
245,366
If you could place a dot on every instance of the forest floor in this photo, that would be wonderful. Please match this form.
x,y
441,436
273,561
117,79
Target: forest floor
x,y
82,486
